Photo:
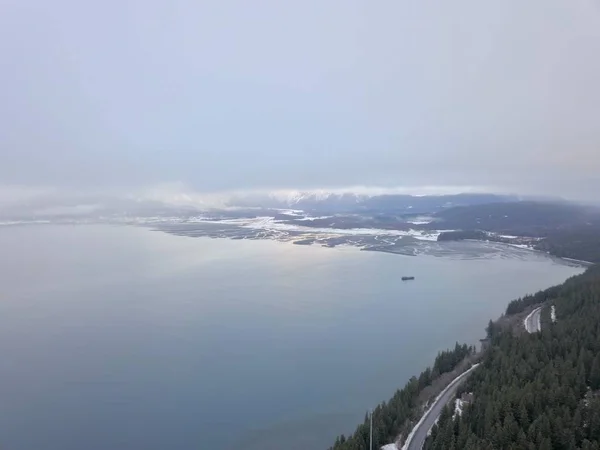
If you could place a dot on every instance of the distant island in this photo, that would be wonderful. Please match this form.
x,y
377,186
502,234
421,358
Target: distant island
x,y
394,223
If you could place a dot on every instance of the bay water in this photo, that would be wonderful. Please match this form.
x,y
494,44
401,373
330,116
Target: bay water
x,y
115,337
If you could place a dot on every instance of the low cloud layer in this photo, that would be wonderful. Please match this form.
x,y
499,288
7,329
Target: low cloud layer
x,y
226,96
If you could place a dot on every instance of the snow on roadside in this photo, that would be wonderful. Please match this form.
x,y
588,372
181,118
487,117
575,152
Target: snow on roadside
x,y
389,447
428,410
434,423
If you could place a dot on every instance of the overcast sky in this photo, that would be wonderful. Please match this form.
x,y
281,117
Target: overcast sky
x,y
224,95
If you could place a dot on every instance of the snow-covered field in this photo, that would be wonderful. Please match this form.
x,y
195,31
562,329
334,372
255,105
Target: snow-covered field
x,y
271,224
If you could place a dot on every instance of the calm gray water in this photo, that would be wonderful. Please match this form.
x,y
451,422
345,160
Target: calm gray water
x,y
125,338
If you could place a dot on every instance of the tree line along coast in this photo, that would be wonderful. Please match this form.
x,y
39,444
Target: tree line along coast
x,y
530,390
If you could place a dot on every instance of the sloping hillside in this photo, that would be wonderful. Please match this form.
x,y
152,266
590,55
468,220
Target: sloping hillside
x,y
538,391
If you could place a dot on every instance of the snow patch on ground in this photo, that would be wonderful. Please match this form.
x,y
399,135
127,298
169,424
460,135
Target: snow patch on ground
x,y
458,407
292,212
553,313
389,447
310,219
269,223
579,261
526,246
420,220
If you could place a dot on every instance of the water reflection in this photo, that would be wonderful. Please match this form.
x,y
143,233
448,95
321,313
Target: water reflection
x,y
122,337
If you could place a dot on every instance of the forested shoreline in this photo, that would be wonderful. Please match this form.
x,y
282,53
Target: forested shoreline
x,y
580,243
393,418
538,391
532,391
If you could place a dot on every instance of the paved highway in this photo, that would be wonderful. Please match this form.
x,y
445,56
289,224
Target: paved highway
x,y
532,321
417,437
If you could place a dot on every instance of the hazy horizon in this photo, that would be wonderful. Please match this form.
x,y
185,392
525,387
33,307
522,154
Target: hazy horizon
x,y
212,97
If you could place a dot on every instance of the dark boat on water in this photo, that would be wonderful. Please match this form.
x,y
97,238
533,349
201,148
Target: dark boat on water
x,y
407,278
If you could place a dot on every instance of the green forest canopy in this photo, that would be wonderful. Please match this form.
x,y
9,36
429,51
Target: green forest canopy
x,y
536,391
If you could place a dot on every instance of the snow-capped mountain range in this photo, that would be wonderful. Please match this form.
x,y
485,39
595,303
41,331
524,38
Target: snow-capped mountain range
x,y
348,202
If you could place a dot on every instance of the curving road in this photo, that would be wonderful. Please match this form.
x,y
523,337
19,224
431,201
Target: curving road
x,y
417,436
532,321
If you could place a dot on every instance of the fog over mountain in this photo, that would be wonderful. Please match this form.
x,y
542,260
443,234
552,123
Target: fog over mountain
x,y
30,204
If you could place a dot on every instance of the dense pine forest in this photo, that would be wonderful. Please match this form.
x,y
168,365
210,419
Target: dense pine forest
x,y
562,229
538,391
520,304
